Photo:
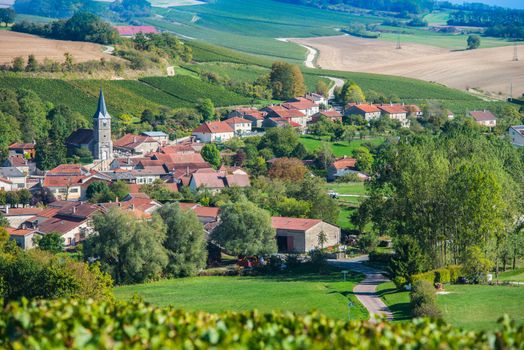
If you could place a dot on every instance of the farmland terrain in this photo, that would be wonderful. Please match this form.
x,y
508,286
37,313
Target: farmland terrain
x,y
488,69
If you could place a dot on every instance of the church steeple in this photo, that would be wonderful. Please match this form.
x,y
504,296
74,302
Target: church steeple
x,y
101,112
102,145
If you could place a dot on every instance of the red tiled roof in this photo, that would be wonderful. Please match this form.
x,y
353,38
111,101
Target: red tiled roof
x,y
83,210
24,146
237,120
283,112
200,211
22,211
133,30
300,103
214,128
5,180
295,224
331,113
17,161
68,169
482,116
208,180
63,181
131,141
393,109
366,108
344,163
238,180
61,226
18,232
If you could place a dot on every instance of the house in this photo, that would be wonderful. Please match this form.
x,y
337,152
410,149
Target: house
x,y
149,174
414,111
26,150
120,175
240,125
140,205
17,216
331,115
296,235
17,178
25,239
344,166
159,136
130,31
71,222
136,144
6,185
303,105
317,99
21,163
369,112
70,181
484,118
215,131
215,181
291,115
205,215
125,163
516,135
252,114
396,112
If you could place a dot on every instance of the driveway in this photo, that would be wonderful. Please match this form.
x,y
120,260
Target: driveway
x,y
365,291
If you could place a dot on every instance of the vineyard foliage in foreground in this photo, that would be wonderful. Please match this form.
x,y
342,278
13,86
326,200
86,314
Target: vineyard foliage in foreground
x,y
80,324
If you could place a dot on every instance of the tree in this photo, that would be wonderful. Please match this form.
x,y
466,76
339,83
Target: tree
x,y
96,189
408,259
128,248
12,198
51,242
211,154
25,196
291,169
185,242
322,88
3,221
32,64
207,109
120,189
245,229
7,15
473,42
10,131
364,159
350,93
282,141
286,81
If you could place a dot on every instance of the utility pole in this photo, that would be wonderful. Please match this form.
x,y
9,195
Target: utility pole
x,y
398,42
515,53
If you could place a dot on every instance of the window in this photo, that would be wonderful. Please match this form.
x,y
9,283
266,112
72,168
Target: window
x,y
104,124
74,190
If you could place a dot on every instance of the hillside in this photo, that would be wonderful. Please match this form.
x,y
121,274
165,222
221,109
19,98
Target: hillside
x,y
14,44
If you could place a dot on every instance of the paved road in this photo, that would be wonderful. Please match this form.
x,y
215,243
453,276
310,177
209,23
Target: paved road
x,y
366,290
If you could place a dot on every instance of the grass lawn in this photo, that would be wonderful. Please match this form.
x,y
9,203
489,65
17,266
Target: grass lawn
x,y
478,307
355,188
473,307
298,293
397,301
513,275
339,148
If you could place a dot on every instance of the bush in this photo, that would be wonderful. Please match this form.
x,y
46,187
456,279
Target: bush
x,y
319,260
442,276
380,257
368,242
400,282
454,272
424,276
423,300
83,324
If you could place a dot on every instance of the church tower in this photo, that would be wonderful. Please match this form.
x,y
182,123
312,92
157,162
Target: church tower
x,y
102,144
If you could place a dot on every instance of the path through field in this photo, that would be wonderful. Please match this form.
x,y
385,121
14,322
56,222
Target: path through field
x,y
366,290
491,69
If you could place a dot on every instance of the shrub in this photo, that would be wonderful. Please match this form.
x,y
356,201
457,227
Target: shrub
x,y
424,276
380,257
423,300
476,265
442,276
319,260
368,242
400,282
454,272
83,324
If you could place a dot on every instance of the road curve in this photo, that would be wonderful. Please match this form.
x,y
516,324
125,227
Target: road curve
x,y
366,291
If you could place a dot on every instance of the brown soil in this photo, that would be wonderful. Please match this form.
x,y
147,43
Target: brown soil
x,y
14,44
490,70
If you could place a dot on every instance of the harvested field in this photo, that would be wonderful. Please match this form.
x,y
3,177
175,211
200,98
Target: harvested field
x,y
14,44
489,69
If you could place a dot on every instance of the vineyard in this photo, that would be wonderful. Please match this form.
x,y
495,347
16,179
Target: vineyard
x,y
191,90
125,96
80,324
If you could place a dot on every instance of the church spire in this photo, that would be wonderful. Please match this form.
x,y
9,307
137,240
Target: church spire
x,y
102,109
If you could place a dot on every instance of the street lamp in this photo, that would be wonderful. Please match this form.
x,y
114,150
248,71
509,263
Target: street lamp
x,y
350,305
345,273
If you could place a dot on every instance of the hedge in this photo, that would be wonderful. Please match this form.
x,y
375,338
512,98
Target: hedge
x,y
454,272
81,324
380,257
442,276
426,276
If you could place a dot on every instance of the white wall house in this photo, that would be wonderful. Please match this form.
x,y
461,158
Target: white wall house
x,y
516,135
214,132
240,125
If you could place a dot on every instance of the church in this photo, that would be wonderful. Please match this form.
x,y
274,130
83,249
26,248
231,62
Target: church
x,y
97,140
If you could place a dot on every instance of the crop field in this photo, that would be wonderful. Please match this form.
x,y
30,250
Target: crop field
x,y
339,148
298,293
206,52
191,90
13,44
253,28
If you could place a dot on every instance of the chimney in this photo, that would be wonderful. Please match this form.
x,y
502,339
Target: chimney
x,y
134,139
132,207
74,209
116,200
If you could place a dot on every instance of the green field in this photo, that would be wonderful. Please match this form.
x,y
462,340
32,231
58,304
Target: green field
x,y
351,188
437,18
513,275
295,293
474,307
253,28
126,96
339,148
